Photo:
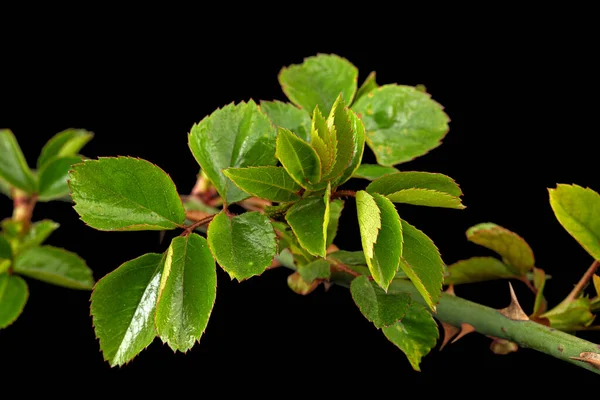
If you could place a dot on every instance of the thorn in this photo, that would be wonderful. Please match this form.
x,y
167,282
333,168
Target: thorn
x,y
503,346
591,358
449,332
465,329
450,290
514,310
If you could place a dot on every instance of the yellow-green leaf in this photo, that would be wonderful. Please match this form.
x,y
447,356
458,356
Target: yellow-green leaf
x,y
271,183
373,171
299,159
13,165
478,269
367,86
64,144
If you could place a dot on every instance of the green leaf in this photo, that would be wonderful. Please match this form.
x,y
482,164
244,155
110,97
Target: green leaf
x,y
287,240
299,159
123,306
381,308
64,144
278,210
318,81
367,87
358,130
309,220
373,171
56,266
597,284
335,211
539,282
514,250
299,285
402,123
13,166
5,255
37,233
318,269
419,188
288,116
415,335
244,245
4,265
323,140
125,194
422,264
188,288
340,122
271,183
348,257
381,236
13,296
52,181
478,269
5,188
576,316
235,136
578,211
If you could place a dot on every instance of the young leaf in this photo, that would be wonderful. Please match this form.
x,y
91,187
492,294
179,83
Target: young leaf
x,y
514,250
309,219
419,188
381,236
340,122
335,211
324,141
577,210
318,269
597,284
123,306
64,144
402,123
244,245
13,296
188,288
358,130
539,282
298,158
318,81
367,87
382,309
56,266
271,183
37,233
5,255
235,136
52,180
373,171
478,269
125,194
415,335
288,116
576,316
299,285
422,264
13,166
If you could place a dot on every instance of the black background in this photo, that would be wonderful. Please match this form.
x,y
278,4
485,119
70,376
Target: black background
x,y
523,117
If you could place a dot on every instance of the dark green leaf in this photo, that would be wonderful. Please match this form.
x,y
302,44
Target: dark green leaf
x,y
56,266
64,144
335,211
125,194
309,219
188,288
52,180
402,123
318,269
37,233
389,185
577,209
358,140
415,335
271,183
373,171
13,296
13,166
123,305
348,257
539,282
243,245
478,269
235,136
381,236
514,250
367,87
318,81
288,116
422,264
381,308
278,210
298,158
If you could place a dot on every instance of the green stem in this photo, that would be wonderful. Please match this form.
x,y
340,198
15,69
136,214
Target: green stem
x,y
488,321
